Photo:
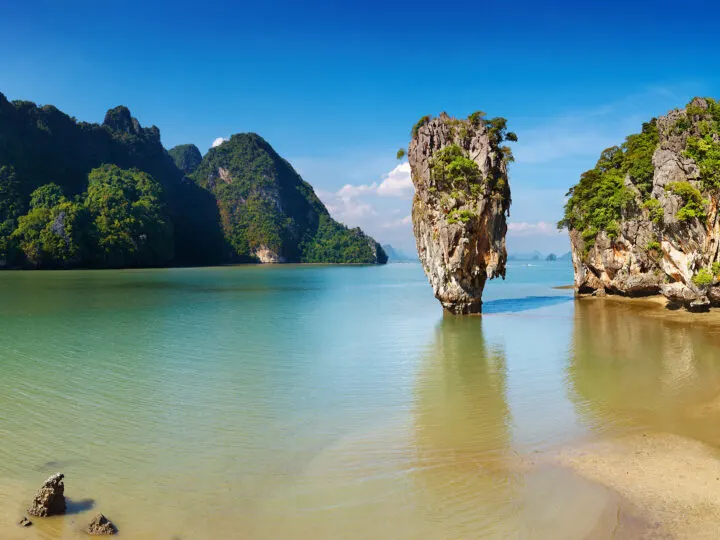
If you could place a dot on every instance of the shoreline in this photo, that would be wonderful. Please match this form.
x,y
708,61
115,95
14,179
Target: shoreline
x,y
656,306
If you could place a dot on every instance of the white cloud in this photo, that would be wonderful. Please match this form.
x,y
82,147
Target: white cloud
x,y
397,223
217,142
397,183
349,203
541,228
349,191
344,208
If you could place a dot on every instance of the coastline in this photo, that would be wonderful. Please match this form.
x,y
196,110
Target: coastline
x,y
655,306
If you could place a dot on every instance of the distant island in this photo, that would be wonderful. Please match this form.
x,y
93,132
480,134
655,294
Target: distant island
x,y
538,256
395,255
81,195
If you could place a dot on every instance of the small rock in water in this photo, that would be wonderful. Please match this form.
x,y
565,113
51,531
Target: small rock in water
x,y
50,498
101,526
24,522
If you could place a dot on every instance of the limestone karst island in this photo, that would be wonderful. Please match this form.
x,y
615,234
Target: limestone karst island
x,y
351,271
462,198
644,220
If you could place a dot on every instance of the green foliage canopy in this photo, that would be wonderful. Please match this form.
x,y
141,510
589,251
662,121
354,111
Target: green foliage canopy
x,y
597,202
132,228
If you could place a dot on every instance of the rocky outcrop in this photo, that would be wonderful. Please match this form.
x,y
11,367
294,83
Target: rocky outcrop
x,y
462,199
119,119
50,498
101,526
664,237
187,157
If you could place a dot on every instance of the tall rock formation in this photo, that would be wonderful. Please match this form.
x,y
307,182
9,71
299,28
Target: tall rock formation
x,y
645,219
462,199
50,498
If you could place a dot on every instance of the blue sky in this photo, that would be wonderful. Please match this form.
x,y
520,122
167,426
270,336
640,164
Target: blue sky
x,y
335,88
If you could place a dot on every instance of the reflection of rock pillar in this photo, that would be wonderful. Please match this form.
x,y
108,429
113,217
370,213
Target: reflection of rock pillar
x,y
462,431
628,367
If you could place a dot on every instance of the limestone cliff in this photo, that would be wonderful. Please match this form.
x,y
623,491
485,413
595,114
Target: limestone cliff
x,y
269,214
462,198
645,219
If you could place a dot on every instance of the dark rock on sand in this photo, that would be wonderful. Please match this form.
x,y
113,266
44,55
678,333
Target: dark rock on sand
x,y
24,522
101,526
50,498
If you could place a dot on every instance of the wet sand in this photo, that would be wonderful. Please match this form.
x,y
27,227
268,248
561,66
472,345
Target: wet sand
x,y
670,484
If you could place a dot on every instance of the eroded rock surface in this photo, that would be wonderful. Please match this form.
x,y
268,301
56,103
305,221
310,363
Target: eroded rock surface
x,y
50,498
658,230
462,199
101,526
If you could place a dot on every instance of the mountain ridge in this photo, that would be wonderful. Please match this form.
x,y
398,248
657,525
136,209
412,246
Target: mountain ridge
x,y
42,146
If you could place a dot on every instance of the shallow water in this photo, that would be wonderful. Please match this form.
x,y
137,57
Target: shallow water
x,y
329,402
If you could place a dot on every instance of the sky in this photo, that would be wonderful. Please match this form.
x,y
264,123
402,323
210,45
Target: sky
x,y
335,87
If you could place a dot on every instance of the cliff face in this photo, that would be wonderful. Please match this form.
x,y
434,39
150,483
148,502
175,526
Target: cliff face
x,y
270,214
645,220
462,198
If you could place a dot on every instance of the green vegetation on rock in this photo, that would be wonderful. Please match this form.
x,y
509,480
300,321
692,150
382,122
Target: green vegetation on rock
x,y
694,204
599,199
703,278
41,145
186,157
460,216
130,223
420,123
265,205
655,209
74,194
704,149
120,222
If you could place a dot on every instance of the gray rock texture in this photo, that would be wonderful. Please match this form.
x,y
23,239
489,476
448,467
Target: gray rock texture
x,y
101,526
459,220
50,498
651,256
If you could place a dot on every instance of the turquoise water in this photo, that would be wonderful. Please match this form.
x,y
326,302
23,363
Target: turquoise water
x,y
305,402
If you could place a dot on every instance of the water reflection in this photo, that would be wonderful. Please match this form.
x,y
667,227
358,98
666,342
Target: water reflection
x,y
462,429
469,479
628,371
